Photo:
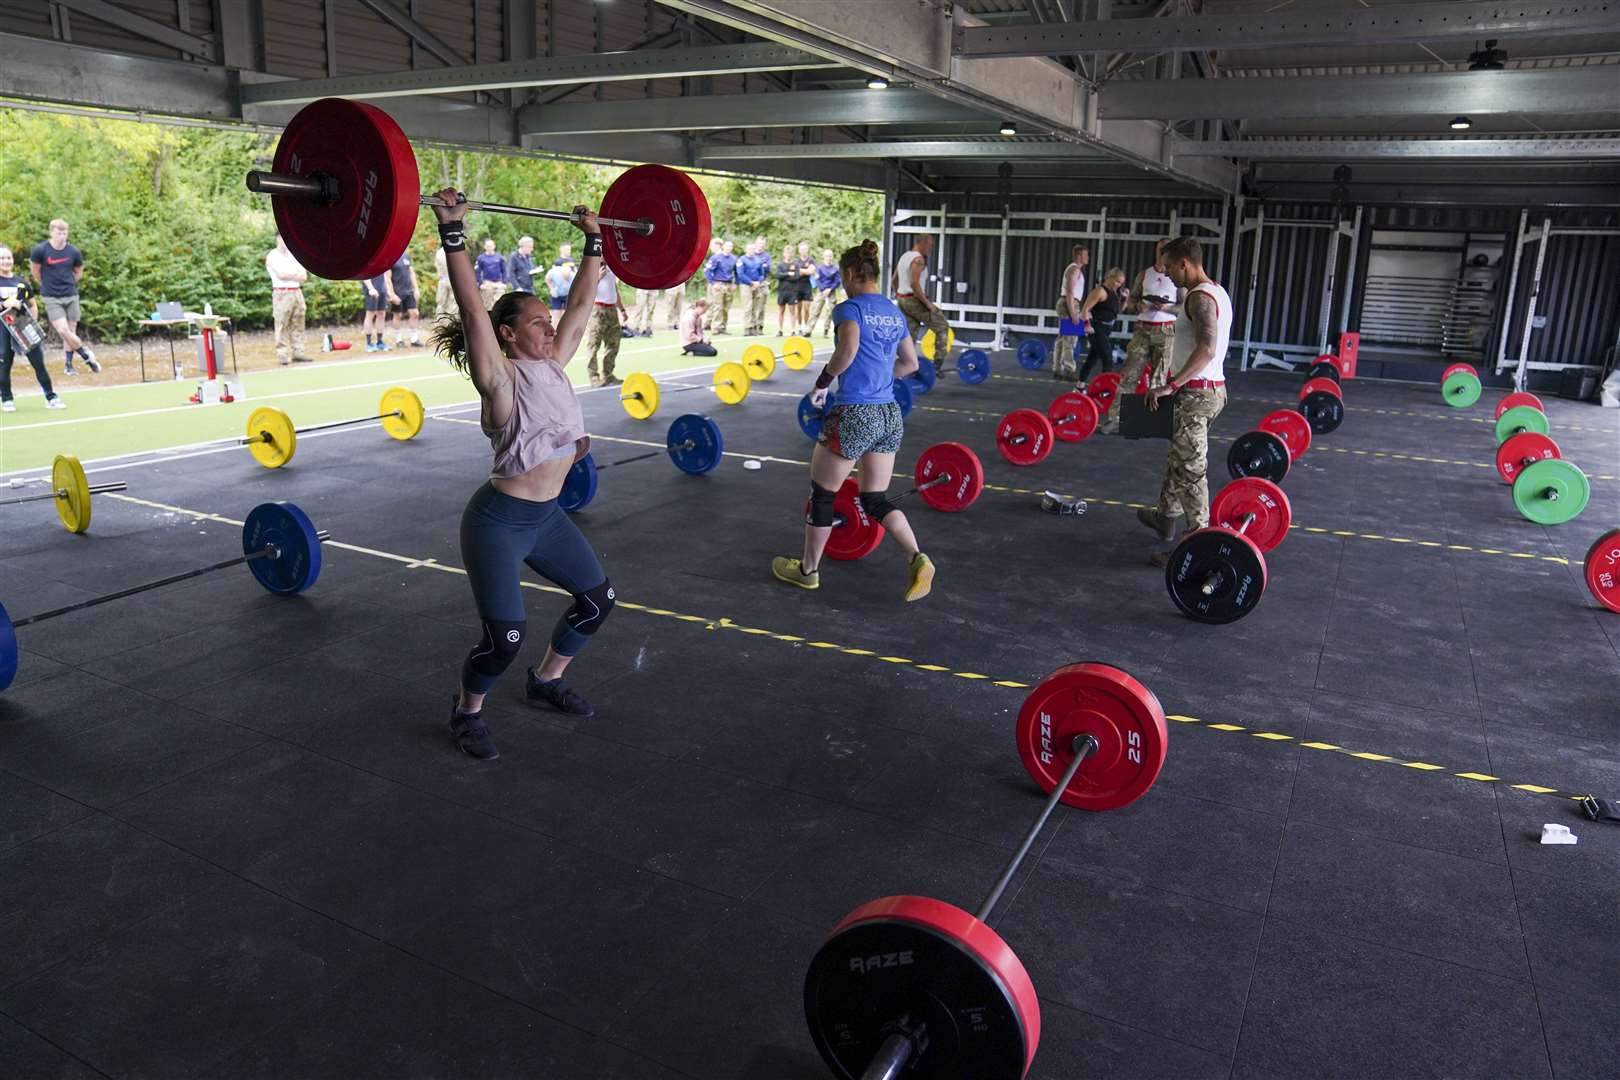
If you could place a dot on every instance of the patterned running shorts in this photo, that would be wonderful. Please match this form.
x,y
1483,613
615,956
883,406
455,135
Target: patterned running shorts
x,y
853,431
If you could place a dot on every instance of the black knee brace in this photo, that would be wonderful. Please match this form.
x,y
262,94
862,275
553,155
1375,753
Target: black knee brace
x,y
501,644
590,608
821,506
877,505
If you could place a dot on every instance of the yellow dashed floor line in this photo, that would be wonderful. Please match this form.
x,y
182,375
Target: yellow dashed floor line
x,y
726,624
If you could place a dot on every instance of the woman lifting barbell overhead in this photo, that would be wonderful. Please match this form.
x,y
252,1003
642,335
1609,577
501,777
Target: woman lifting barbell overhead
x,y
533,420
864,424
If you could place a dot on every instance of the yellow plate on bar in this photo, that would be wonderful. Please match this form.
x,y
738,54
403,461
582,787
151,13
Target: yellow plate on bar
x,y
731,383
639,395
401,412
797,352
270,437
927,343
759,361
72,493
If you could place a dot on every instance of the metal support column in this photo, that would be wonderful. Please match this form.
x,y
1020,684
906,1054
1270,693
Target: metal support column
x,y
1530,307
1329,282
1099,265
1254,281
939,259
1001,283
891,196
1512,288
1349,279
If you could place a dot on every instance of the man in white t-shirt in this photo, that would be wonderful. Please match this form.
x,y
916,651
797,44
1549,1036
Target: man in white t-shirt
x,y
1198,383
911,295
1071,294
606,328
1155,301
287,306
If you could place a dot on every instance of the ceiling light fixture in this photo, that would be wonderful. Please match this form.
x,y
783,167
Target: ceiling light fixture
x,y
1461,123
877,82
1009,128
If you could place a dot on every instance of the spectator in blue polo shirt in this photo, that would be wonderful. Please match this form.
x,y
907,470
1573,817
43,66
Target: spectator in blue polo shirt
x,y
721,273
827,283
751,273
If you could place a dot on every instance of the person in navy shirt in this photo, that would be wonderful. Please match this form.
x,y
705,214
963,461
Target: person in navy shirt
x,y
751,270
827,283
721,273
15,295
490,270
861,423
375,296
57,266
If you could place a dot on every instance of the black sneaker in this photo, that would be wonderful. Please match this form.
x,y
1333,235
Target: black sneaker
x,y
468,731
554,695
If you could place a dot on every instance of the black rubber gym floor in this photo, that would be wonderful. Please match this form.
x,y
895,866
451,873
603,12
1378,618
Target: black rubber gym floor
x,y
235,841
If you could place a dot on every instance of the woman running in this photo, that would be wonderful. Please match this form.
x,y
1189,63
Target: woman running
x,y
533,420
863,425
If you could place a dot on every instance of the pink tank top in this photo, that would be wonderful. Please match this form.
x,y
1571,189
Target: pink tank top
x,y
545,420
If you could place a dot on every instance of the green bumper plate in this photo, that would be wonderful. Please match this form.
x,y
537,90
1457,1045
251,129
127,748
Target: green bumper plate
x,y
1552,491
1460,390
1520,418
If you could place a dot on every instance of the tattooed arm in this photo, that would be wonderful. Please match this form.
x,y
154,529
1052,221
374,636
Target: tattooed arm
x,y
1203,314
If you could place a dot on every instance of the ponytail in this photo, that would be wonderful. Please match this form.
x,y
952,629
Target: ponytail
x,y
449,334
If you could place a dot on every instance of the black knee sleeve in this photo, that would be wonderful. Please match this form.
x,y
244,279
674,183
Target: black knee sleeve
x,y
821,506
501,644
877,505
590,608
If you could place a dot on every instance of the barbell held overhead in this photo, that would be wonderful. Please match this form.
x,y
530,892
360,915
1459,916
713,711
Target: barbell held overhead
x,y
346,192
325,188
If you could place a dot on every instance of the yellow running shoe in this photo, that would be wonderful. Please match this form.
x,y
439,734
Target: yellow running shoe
x,y
922,577
788,570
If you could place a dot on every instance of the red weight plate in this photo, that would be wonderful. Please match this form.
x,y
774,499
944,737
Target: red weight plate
x,y
1024,436
1603,569
859,535
1520,450
1454,368
1517,398
1103,387
679,213
1293,429
1120,713
970,937
1326,385
963,467
363,233
1074,415
1258,496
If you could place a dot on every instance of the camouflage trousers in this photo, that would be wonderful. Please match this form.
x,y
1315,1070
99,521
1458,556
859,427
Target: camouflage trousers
x,y
1150,345
1186,466
720,294
919,316
757,294
1063,362
604,336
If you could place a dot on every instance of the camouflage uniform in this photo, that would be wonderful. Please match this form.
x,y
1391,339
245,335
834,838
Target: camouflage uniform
x,y
720,294
641,318
605,334
1150,349
1063,365
1186,469
920,316
757,294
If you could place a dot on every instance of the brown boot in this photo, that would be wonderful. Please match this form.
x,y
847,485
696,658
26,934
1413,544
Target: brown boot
x,y
1154,519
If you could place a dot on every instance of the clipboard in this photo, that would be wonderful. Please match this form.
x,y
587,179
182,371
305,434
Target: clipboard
x,y
1137,421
